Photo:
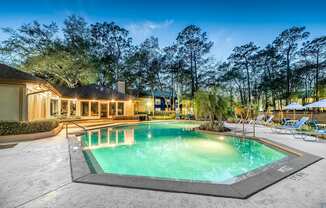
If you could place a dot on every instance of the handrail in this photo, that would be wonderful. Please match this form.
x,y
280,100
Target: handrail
x,y
78,125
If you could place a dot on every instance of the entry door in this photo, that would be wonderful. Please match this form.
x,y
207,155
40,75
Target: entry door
x,y
104,110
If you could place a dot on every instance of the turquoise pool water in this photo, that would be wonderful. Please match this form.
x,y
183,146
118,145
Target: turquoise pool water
x,y
170,150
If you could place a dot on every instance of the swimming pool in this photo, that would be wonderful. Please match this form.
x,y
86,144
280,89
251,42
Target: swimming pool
x,y
174,151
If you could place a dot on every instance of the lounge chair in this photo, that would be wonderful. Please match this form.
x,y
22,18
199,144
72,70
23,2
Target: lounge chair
x,y
313,136
269,121
292,128
317,132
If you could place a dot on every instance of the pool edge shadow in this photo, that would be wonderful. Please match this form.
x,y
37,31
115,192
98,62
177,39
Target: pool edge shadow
x,y
243,189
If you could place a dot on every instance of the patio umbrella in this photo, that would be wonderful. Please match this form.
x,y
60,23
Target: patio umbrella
x,y
318,104
294,106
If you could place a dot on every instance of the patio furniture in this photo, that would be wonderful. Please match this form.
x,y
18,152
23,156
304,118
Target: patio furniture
x,y
268,122
294,106
319,128
318,104
292,128
319,131
314,136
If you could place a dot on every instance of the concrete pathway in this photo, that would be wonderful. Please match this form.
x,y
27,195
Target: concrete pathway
x,y
37,174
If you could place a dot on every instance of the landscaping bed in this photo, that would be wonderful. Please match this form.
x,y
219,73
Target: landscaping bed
x,y
22,127
12,131
213,127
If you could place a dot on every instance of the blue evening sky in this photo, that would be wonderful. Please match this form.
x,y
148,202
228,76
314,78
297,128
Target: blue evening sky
x,y
228,23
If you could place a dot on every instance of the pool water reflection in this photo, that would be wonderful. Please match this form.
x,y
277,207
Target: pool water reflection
x,y
171,150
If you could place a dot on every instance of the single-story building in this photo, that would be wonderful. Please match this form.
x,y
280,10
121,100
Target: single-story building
x,y
24,97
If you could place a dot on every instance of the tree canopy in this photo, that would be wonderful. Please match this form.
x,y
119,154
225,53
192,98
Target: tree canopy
x,y
290,67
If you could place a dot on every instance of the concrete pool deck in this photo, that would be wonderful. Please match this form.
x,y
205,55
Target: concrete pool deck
x,y
37,174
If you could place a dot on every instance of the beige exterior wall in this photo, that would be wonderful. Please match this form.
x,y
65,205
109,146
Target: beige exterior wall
x,y
144,105
37,107
38,102
129,108
19,102
12,102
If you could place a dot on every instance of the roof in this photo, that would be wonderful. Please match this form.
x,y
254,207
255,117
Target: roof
x,y
90,92
12,75
157,93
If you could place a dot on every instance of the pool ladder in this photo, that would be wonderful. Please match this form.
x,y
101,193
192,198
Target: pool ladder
x,y
76,124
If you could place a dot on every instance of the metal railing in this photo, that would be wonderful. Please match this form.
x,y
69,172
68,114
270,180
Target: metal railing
x,y
243,122
78,125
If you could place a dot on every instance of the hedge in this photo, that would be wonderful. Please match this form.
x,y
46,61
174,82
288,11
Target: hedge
x,y
22,127
168,117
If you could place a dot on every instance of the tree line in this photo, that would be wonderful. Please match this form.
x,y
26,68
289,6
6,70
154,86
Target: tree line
x,y
292,66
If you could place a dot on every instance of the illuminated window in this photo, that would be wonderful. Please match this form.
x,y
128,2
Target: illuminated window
x,y
112,109
94,108
120,109
54,107
157,101
72,107
84,111
64,107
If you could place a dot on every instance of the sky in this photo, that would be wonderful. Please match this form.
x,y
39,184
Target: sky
x,y
228,23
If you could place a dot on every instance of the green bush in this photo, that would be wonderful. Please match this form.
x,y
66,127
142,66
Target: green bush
x,y
209,126
164,113
125,118
16,127
232,120
166,117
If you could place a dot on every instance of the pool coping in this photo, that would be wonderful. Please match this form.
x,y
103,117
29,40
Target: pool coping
x,y
265,177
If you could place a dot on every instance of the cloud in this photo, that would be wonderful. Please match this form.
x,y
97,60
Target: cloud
x,y
143,30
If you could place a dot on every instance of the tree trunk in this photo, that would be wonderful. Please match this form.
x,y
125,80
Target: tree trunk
x,y
317,77
273,100
248,82
192,76
172,101
244,91
266,100
288,74
220,123
196,75
240,92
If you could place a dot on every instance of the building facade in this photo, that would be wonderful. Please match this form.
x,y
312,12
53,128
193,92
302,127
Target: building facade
x,y
24,97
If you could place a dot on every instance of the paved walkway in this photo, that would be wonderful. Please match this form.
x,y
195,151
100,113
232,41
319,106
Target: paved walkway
x,y
37,174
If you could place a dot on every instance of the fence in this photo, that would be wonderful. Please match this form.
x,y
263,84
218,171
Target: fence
x,y
319,116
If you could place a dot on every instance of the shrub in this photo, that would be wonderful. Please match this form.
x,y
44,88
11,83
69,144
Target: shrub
x,y
163,117
164,113
22,127
209,126
212,105
232,120
125,118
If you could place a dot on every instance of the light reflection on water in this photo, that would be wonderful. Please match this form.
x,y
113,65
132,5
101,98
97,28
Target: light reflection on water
x,y
107,137
174,151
